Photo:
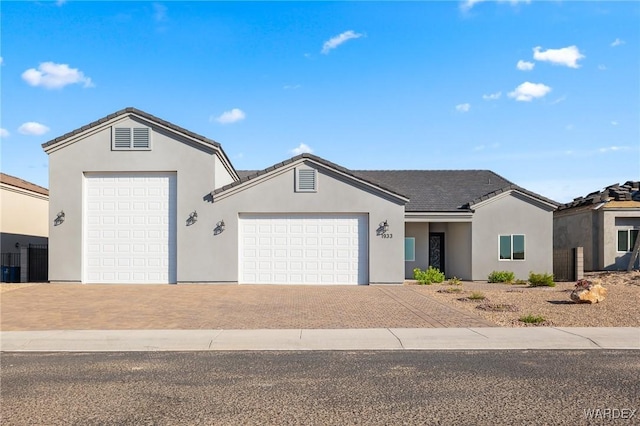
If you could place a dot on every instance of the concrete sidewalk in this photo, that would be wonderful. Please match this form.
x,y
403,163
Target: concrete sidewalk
x,y
484,338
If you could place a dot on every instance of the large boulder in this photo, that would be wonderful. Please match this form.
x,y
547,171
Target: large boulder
x,y
588,292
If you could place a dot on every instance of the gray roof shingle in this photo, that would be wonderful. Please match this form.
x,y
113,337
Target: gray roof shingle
x,y
629,191
445,190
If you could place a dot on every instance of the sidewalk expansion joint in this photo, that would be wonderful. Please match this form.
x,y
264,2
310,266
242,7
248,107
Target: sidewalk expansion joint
x,y
578,335
397,338
477,332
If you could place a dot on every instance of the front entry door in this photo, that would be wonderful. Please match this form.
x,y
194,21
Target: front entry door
x,y
436,250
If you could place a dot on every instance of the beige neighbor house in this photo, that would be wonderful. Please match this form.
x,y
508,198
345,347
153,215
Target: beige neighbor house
x,y
605,223
146,201
24,212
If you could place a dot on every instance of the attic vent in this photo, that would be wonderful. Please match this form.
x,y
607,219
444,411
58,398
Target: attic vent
x,y
127,138
306,180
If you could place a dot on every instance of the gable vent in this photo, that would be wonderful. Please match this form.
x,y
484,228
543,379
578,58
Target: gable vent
x,y
141,137
307,180
127,138
122,138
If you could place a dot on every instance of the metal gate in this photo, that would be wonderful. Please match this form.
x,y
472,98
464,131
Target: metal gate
x,y
38,263
564,267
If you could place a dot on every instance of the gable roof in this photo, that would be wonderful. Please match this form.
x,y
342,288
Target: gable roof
x,y
446,190
249,175
630,191
22,184
47,146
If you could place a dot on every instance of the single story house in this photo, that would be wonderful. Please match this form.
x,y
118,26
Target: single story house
x,y
605,223
146,201
24,212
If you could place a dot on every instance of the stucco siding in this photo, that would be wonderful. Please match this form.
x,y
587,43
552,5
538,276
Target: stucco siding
x,y
194,168
615,220
511,214
274,193
222,175
458,250
576,229
23,218
419,231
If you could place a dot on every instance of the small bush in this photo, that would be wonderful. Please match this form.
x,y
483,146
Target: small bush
x,y
501,277
476,295
451,290
541,280
454,281
532,319
429,276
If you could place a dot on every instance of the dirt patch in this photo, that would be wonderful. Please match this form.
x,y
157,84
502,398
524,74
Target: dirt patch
x,y
4,287
619,309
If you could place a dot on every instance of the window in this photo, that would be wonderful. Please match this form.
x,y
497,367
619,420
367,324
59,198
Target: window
x,y
511,247
627,239
409,249
127,138
306,180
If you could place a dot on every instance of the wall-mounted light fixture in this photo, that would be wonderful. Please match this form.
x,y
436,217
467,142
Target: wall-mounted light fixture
x,y
193,218
219,228
383,227
59,218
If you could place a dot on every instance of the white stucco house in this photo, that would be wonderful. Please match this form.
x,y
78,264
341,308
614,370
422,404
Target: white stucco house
x,y
146,201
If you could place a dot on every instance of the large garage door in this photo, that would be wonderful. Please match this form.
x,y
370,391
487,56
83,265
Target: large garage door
x,y
303,249
130,228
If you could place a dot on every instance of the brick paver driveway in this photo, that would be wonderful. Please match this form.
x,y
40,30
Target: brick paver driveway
x,y
135,307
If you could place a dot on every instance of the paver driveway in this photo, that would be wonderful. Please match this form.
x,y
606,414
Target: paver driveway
x,y
192,306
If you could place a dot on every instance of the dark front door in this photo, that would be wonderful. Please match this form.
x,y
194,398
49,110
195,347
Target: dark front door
x,y
436,250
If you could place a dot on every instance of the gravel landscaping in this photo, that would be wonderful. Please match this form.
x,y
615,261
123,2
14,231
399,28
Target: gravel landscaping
x,y
505,304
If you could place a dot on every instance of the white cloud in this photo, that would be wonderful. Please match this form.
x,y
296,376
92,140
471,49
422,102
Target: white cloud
x,y
613,148
291,86
4,133
33,128
463,107
614,123
528,91
60,2
159,12
567,56
302,149
617,42
560,99
602,67
231,116
467,5
55,76
336,41
524,65
1,60
492,96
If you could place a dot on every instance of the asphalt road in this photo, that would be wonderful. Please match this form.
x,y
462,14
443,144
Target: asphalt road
x,y
387,387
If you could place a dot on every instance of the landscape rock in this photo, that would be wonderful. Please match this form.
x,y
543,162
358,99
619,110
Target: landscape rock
x,y
588,292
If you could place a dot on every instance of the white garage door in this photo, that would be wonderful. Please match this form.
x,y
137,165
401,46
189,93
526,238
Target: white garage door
x,y
130,228
303,249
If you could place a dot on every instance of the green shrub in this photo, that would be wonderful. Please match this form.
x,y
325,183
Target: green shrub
x,y
541,280
476,295
501,277
429,276
532,319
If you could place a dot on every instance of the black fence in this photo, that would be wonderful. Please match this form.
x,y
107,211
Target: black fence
x,y
38,263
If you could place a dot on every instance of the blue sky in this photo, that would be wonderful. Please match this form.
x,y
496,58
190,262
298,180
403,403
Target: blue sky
x,y
546,94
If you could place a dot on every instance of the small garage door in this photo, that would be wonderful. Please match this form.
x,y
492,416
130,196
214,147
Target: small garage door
x,y
130,228
303,249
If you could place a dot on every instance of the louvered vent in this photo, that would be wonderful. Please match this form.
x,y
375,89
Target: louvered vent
x,y
140,137
306,180
122,138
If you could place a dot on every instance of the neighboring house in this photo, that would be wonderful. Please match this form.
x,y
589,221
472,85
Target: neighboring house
x,y
605,223
146,201
24,212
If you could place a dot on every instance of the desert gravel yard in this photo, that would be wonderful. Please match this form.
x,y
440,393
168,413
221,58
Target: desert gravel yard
x,y
505,304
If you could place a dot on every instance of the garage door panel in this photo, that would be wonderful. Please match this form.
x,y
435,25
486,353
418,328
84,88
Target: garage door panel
x,y
303,249
130,222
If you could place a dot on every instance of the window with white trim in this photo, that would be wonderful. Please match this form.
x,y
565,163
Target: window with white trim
x,y
626,239
409,249
131,138
306,180
511,247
